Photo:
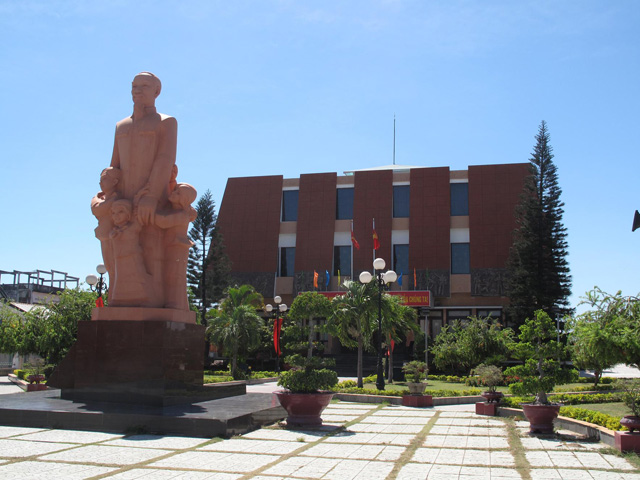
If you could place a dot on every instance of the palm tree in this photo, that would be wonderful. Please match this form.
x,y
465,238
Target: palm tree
x,y
236,325
352,319
396,318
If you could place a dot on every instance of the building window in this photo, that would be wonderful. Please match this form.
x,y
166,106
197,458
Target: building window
x,y
401,201
287,261
342,260
290,205
459,199
459,258
460,315
401,259
344,203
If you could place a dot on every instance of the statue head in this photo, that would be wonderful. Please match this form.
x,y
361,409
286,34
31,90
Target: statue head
x,y
109,178
145,88
183,195
121,212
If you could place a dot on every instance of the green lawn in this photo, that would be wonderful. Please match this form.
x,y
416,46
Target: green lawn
x,y
431,385
616,409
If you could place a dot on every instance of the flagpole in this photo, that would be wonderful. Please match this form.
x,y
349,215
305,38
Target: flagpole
x,y
394,138
374,242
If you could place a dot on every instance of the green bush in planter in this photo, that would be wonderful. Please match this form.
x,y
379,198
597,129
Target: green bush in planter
x,y
308,375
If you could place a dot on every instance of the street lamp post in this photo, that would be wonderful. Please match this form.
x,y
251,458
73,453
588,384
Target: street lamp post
x,y
98,284
383,279
279,308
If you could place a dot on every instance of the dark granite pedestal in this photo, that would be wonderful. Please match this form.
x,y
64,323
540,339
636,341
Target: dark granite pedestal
x,y
223,417
155,363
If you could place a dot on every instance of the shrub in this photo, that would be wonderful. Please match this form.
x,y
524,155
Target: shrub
x,y
370,379
308,380
630,394
415,371
489,376
347,384
597,418
19,373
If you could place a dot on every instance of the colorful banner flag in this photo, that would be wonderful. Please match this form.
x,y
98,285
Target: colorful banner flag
x,y
277,329
376,242
338,278
315,279
400,278
353,238
326,278
99,302
415,281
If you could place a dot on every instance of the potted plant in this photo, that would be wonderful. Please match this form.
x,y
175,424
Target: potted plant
x,y
414,372
36,377
304,397
490,376
541,371
631,398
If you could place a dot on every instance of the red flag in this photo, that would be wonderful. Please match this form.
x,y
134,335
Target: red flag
x,y
353,238
99,302
415,282
376,242
277,328
315,279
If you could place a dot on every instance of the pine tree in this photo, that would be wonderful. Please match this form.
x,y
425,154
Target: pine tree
x,y
208,268
538,269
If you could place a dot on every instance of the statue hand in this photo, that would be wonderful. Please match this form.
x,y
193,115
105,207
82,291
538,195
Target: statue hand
x,y
147,210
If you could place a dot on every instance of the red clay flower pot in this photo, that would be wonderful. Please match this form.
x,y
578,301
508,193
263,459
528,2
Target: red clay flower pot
x,y
492,397
304,409
540,417
632,422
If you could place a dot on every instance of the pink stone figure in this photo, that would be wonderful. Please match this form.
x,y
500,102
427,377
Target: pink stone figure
x,y
132,285
145,151
175,223
101,208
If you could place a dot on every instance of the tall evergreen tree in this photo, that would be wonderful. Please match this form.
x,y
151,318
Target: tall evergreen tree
x,y
538,269
208,268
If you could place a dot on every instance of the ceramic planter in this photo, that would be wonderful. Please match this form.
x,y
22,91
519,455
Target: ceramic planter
x,y
416,388
492,397
304,409
35,378
632,422
540,417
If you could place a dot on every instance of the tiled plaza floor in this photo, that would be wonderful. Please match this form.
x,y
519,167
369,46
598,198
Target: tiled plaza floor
x,y
359,442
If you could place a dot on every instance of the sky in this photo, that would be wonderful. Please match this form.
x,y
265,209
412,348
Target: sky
x,y
290,87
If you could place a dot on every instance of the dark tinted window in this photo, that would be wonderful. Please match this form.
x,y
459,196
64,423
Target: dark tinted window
x,y
459,199
290,205
342,260
344,203
401,259
459,258
401,201
287,260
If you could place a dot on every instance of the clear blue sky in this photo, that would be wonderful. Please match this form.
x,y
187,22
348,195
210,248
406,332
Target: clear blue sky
x,y
291,87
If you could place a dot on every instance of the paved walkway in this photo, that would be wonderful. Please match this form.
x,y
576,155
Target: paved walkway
x,y
364,442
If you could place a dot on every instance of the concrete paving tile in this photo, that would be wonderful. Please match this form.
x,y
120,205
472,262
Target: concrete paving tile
x,y
618,463
564,459
425,455
375,428
345,411
545,474
538,458
6,432
338,418
159,474
354,406
359,470
286,435
271,477
217,461
157,441
456,441
242,445
592,460
414,471
302,467
404,420
105,455
415,413
371,438
69,436
495,473
363,452
50,471
450,456
501,459
21,449
464,431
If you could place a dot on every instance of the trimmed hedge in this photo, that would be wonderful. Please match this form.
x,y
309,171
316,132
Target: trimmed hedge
x,y
597,418
399,393
567,399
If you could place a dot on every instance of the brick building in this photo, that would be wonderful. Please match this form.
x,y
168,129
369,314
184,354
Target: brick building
x,y
447,231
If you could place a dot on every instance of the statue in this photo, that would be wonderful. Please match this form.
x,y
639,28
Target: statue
x,y
143,213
